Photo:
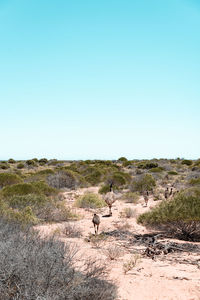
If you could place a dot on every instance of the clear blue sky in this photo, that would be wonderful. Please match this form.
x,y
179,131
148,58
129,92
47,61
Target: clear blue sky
x,y
92,79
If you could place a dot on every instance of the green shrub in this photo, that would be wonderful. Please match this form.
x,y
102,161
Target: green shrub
x,y
94,178
90,200
11,161
156,170
39,176
197,163
143,183
42,188
187,162
104,189
28,188
172,173
119,178
4,166
46,172
43,161
18,189
131,197
147,165
9,179
126,163
23,217
53,162
194,181
31,162
172,161
21,201
180,216
35,159
20,166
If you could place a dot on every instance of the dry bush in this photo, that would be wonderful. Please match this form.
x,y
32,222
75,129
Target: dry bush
x,y
113,252
131,263
125,226
127,212
56,211
131,197
35,268
96,240
72,230
63,179
158,194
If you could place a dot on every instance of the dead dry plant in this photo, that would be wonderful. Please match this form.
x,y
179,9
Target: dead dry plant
x,y
131,263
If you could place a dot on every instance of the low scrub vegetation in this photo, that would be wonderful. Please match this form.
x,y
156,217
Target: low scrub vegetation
x,y
180,216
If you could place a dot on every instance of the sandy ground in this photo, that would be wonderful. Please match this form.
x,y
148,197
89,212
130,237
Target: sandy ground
x,y
175,276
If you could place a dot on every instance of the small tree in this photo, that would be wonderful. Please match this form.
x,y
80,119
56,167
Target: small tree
x,y
11,161
122,159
